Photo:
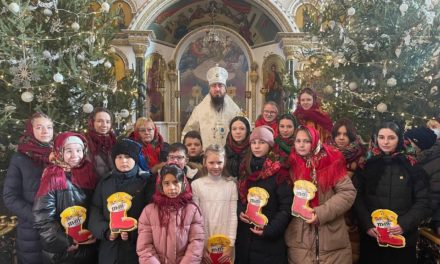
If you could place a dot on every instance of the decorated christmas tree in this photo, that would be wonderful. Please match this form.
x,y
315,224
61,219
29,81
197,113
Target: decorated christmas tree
x,y
375,60
56,58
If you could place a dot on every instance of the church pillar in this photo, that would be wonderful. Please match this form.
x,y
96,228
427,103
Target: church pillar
x,y
139,41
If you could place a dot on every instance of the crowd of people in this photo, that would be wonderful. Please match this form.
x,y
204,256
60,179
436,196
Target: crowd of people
x,y
171,199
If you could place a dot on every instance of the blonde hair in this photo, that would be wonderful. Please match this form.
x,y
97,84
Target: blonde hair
x,y
142,121
272,103
215,149
432,123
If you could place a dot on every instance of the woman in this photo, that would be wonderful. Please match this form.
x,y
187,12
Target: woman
x,y
324,167
390,180
285,141
237,144
154,149
22,182
308,112
269,117
100,138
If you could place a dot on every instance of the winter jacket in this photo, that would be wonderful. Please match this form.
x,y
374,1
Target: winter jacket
x,y
234,161
390,182
334,243
430,161
170,244
140,185
55,241
20,186
270,247
103,164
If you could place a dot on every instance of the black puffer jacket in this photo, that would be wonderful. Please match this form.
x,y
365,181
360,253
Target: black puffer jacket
x,y
140,185
269,248
430,161
20,186
47,209
392,183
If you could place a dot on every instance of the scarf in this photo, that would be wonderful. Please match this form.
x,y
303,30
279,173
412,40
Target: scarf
x,y
151,150
260,168
54,177
37,151
352,152
324,166
167,205
283,147
98,142
315,115
235,146
274,124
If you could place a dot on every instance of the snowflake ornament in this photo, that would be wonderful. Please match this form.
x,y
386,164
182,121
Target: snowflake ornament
x,y
56,26
24,74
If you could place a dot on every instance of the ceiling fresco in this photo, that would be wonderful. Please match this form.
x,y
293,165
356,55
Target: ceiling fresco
x,y
188,15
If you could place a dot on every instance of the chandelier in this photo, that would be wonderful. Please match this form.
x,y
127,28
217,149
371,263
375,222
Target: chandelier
x,y
213,37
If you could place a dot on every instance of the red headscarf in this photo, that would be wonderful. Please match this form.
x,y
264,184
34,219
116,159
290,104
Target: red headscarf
x,y
151,151
314,113
54,177
326,162
38,151
99,142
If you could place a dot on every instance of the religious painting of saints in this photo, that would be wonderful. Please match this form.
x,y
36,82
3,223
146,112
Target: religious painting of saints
x,y
155,72
273,72
197,57
122,14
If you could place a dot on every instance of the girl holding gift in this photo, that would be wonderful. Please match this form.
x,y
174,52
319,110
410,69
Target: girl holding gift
x,y
319,231
217,197
68,183
262,242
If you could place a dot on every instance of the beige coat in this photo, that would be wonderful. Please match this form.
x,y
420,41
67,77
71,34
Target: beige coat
x,y
334,243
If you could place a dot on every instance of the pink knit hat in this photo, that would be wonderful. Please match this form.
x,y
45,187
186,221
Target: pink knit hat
x,y
264,133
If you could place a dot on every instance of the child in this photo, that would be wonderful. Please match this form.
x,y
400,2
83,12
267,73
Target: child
x,y
237,144
178,154
128,178
258,243
171,228
217,197
193,142
68,183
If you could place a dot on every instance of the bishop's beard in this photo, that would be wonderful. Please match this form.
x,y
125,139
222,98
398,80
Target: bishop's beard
x,y
218,102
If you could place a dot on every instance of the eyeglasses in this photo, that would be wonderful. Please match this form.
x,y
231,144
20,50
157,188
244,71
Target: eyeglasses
x,y
178,158
269,112
144,130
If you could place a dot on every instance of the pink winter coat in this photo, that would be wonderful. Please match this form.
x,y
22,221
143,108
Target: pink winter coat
x,y
170,245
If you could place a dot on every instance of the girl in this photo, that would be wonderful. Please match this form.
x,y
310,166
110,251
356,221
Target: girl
x,y
217,197
263,244
237,144
68,183
345,138
22,182
390,180
308,112
324,166
171,228
154,149
127,177
269,117
100,138
284,141
193,142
